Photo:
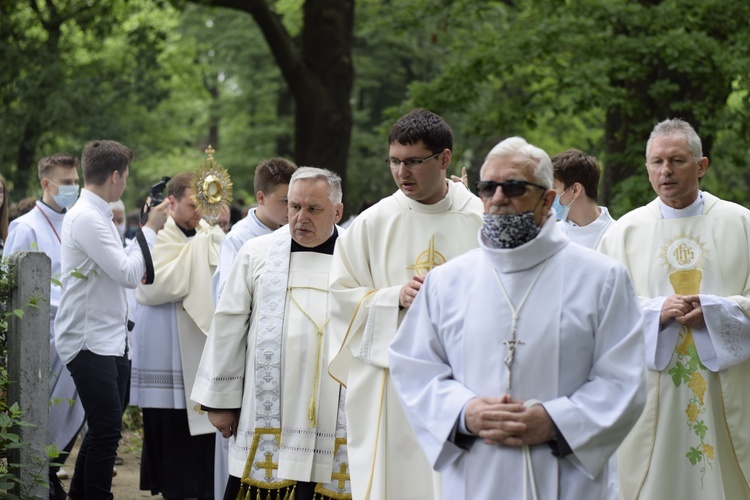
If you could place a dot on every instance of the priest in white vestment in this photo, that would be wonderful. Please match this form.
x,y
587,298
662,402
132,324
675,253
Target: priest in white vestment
x,y
687,253
576,182
271,186
520,369
172,320
379,266
266,355
39,230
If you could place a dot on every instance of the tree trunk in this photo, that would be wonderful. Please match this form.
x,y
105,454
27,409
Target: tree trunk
x,y
320,75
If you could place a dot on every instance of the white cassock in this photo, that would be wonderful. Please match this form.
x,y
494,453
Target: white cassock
x,y
266,354
248,228
581,356
173,318
591,234
39,230
692,441
382,249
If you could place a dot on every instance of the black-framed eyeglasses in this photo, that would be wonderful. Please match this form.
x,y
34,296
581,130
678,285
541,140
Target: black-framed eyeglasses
x,y
409,162
511,189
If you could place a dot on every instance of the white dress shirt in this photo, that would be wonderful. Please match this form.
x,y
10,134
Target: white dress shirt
x,y
93,312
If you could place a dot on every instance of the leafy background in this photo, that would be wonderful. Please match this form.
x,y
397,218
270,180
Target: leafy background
x,y
169,78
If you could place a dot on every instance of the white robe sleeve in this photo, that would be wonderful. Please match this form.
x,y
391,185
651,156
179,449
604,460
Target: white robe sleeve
x,y
596,417
722,343
660,343
364,317
220,378
725,340
423,379
21,237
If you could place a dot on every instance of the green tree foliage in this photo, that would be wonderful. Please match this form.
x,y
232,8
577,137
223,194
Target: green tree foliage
x,y
598,74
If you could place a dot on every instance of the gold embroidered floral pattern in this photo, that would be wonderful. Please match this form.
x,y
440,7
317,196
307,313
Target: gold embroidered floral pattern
x,y
688,370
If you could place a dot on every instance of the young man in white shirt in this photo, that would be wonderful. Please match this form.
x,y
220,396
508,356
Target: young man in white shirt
x,y
91,322
576,183
39,231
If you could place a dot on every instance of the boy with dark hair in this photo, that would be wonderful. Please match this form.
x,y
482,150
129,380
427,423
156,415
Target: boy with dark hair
x,y
91,322
576,183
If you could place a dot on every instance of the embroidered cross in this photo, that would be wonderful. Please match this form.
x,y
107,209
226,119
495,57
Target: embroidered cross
x,y
427,260
268,465
341,476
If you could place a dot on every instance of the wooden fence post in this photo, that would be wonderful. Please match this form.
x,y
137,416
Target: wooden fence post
x,y
28,364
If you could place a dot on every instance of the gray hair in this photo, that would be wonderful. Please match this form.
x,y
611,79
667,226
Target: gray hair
x,y
672,127
314,174
538,160
117,205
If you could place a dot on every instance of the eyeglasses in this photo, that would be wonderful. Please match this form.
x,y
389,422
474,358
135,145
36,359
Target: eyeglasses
x,y
410,162
512,188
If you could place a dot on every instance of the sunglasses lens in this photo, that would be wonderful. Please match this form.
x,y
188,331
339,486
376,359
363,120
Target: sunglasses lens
x,y
512,189
486,189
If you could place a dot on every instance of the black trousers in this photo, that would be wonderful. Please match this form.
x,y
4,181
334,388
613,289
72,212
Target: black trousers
x,y
101,382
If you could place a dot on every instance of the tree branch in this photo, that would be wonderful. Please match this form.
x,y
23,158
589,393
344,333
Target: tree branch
x,y
282,46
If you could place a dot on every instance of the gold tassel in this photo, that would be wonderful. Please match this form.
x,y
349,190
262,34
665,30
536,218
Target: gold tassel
x,y
311,413
286,493
257,497
294,488
268,496
278,494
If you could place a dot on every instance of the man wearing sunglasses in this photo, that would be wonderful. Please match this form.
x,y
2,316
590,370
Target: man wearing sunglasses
x,y
520,364
378,268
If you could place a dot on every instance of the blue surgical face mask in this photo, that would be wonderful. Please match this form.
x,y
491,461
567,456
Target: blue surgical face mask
x,y
66,195
561,211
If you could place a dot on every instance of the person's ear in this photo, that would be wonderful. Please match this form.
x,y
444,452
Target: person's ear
x,y
702,167
339,212
445,159
260,197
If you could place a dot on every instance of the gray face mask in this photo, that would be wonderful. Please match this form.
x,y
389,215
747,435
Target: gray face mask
x,y
509,230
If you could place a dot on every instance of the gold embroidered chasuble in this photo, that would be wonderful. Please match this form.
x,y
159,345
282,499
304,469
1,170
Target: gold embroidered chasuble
x,y
383,248
691,441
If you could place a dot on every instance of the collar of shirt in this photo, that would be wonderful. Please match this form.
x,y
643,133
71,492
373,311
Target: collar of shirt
x,y
44,205
693,210
326,247
98,202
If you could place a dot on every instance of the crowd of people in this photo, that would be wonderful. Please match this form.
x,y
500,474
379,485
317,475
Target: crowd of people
x,y
452,341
